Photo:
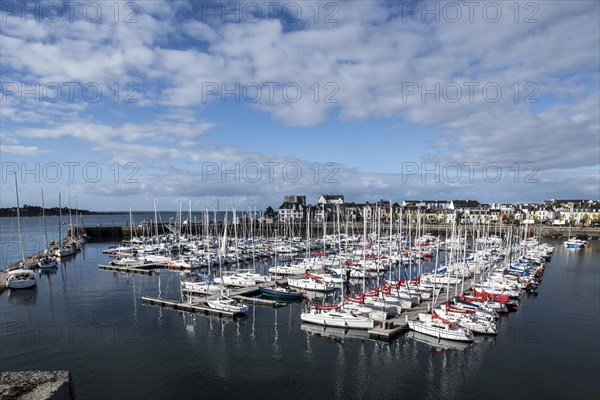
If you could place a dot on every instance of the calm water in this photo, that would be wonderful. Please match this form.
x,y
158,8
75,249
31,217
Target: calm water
x,y
92,323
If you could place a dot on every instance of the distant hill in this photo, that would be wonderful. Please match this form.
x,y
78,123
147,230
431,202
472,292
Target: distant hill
x,y
36,211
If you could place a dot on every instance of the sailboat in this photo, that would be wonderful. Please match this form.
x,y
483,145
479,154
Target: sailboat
x,y
64,250
225,303
20,278
47,261
436,326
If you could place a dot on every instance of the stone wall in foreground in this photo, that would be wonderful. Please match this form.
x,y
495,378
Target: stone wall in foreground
x,y
36,385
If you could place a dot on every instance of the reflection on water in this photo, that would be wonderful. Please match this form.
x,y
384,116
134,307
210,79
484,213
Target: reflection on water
x,y
276,349
438,345
23,296
334,334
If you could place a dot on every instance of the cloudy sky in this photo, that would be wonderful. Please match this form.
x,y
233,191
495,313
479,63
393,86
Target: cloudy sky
x,y
243,102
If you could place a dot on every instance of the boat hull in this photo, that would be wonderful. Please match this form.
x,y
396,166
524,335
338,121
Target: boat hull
x,y
281,295
337,319
21,279
440,332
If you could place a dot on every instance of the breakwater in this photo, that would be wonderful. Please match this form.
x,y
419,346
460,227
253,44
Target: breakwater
x,y
119,233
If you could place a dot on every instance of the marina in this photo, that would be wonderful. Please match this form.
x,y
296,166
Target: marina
x,y
152,295
300,200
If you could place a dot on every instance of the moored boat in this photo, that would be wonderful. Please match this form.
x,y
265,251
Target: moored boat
x,y
227,304
281,292
441,328
21,279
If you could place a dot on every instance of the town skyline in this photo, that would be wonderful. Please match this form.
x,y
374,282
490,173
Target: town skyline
x,y
294,208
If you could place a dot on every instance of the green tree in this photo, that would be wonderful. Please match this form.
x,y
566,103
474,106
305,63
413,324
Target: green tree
x,y
584,219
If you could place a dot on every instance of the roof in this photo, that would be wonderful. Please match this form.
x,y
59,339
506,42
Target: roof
x,y
290,206
466,203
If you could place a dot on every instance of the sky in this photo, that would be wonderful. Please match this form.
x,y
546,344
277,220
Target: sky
x,y
239,103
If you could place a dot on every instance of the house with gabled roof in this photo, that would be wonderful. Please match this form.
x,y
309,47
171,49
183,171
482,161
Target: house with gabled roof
x,y
293,208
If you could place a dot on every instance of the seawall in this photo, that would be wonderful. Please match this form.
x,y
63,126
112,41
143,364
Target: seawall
x,y
119,233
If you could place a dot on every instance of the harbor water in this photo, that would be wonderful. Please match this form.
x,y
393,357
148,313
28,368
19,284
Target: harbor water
x,y
92,323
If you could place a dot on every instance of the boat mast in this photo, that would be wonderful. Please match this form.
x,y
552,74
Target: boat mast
x,y
155,221
222,248
70,217
390,245
337,212
364,263
44,219
59,220
235,240
21,247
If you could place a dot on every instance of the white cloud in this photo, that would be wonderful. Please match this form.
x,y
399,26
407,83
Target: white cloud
x,y
20,150
366,59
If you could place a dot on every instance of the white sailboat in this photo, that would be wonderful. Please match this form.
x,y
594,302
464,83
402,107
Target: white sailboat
x,y
47,261
223,302
64,250
433,325
20,278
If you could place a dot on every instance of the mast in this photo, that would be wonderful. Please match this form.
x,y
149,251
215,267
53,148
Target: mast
x,y
390,245
59,220
252,216
70,216
155,220
190,220
235,240
21,247
364,250
337,212
222,248
131,232
44,220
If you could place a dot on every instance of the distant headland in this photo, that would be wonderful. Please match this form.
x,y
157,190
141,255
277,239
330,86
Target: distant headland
x,y
36,211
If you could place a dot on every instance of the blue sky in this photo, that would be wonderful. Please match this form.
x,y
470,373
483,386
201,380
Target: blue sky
x,y
244,102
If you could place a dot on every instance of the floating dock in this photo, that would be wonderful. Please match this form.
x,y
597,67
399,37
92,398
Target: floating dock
x,y
241,294
128,270
390,328
260,302
189,307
